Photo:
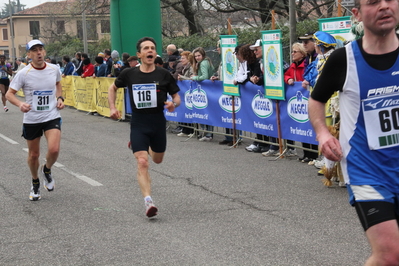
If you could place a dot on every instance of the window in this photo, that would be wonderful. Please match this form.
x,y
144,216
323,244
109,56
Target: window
x,y
5,34
91,29
34,27
105,26
60,27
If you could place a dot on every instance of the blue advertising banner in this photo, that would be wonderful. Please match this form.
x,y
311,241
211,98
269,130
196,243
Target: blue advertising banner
x,y
295,124
204,103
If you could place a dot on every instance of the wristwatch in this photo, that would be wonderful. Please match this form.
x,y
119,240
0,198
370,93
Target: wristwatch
x,y
175,104
60,97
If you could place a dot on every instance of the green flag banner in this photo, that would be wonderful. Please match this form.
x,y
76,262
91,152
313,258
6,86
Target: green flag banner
x,y
339,27
229,64
273,71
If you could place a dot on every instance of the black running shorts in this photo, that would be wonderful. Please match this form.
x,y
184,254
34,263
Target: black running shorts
x,y
33,131
5,82
148,130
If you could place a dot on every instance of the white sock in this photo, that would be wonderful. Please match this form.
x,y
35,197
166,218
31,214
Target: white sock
x,y
148,198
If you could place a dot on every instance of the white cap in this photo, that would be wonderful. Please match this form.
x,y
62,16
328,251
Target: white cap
x,y
258,43
32,43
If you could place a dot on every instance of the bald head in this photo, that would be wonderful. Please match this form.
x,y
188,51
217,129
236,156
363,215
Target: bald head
x,y
170,49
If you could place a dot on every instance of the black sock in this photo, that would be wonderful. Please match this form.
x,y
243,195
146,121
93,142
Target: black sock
x,y
46,170
36,182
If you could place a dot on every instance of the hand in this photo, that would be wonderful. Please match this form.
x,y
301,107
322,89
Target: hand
x,y
115,114
24,107
60,104
254,79
213,78
330,147
170,106
290,81
305,84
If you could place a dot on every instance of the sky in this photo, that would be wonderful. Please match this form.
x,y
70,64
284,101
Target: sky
x,y
28,3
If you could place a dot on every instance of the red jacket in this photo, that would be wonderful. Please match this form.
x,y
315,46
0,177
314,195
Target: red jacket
x,y
295,72
88,70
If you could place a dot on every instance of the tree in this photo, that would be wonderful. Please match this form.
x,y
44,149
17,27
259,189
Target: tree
x,y
15,7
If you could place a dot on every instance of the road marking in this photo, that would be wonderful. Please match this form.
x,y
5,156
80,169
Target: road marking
x,y
84,178
8,139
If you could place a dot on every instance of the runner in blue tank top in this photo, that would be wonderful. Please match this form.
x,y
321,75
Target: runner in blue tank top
x,y
366,74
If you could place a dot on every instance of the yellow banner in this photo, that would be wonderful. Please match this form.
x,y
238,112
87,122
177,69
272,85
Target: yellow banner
x,y
91,94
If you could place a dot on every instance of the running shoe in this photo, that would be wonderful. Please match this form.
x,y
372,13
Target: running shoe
x,y
205,138
181,134
5,109
251,147
271,153
49,182
150,209
35,192
291,153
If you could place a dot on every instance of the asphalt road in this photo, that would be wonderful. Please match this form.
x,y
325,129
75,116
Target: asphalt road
x,y
217,206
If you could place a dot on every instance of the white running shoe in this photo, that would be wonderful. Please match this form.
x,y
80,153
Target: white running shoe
x,y
49,182
181,134
34,193
271,153
150,209
291,153
250,147
205,139
5,109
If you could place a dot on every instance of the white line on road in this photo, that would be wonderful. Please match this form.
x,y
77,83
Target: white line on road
x,y
84,178
8,139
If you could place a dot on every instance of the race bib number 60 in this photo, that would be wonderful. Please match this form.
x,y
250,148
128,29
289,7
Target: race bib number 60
x,y
381,117
145,95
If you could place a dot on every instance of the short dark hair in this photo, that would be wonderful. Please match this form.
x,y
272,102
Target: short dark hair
x,y
139,42
66,58
99,60
84,55
158,60
131,58
107,52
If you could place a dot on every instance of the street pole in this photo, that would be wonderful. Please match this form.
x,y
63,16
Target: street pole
x,y
12,52
84,26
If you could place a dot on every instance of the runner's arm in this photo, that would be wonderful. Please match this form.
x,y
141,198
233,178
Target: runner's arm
x,y
329,145
12,98
114,113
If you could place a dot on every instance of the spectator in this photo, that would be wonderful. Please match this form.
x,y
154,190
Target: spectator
x,y
69,68
172,51
100,69
158,61
116,63
53,61
184,70
108,61
203,69
293,74
257,78
20,63
79,65
133,61
308,44
88,68
125,56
